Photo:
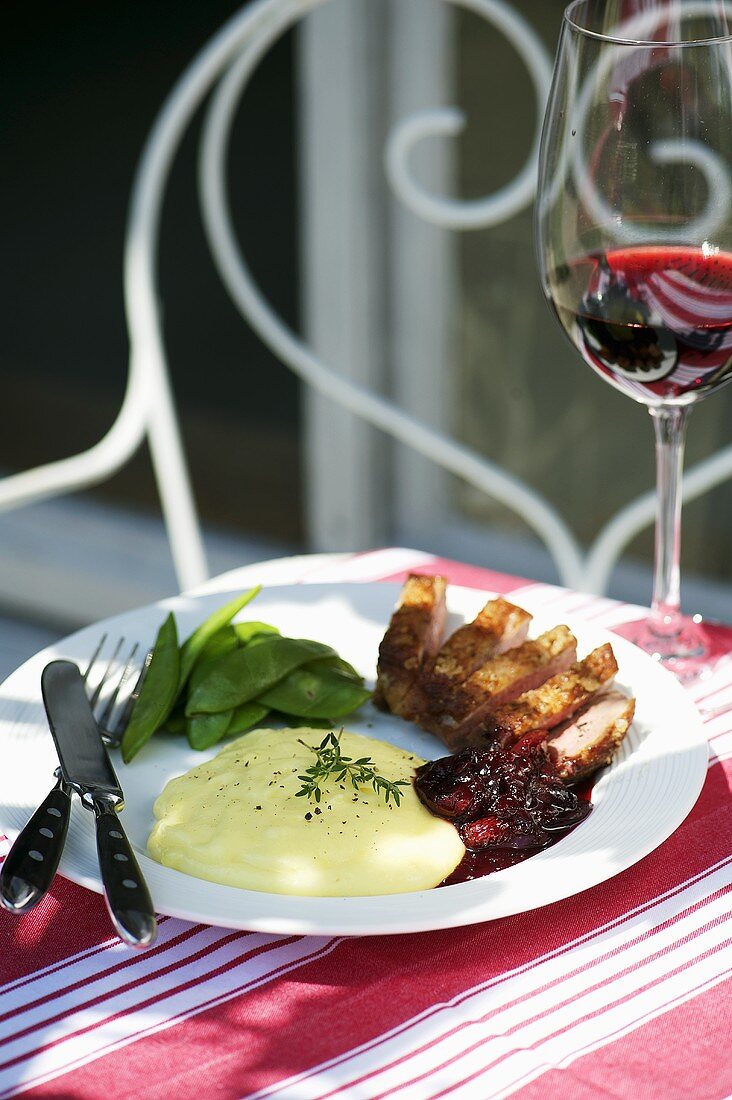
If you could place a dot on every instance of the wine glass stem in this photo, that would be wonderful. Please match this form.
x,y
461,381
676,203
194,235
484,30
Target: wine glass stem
x,y
669,422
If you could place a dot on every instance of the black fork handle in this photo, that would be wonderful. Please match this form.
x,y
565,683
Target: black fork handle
x,y
31,864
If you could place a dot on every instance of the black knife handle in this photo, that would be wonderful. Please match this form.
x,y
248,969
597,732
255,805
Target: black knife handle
x,y
30,865
128,898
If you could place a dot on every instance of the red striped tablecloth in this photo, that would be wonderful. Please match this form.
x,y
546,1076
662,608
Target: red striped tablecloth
x,y
622,991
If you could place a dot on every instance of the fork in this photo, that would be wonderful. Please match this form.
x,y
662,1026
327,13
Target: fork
x,y
32,862
112,713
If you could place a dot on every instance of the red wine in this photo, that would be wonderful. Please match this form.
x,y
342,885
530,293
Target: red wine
x,y
655,321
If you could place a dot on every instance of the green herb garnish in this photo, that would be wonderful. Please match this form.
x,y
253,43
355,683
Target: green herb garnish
x,y
331,763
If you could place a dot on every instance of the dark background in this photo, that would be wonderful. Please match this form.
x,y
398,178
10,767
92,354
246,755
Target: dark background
x,y
83,82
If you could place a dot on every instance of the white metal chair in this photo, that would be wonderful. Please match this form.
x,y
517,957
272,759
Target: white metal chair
x,y
225,66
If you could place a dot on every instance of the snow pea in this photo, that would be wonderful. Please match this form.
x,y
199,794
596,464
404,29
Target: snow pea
x,y
316,690
245,632
246,716
222,643
342,666
195,644
158,692
175,723
205,730
244,674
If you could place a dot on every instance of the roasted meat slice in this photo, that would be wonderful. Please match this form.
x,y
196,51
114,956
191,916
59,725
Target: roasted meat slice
x,y
498,627
413,636
590,739
554,701
462,710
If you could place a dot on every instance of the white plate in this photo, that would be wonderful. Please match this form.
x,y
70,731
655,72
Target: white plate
x,y
639,801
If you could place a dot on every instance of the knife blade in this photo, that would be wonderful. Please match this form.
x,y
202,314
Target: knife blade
x,y
87,769
85,763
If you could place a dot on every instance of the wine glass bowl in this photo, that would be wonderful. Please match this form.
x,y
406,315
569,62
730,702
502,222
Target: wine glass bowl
x,y
634,233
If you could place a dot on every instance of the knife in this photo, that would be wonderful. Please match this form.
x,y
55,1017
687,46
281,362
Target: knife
x,y
87,770
29,867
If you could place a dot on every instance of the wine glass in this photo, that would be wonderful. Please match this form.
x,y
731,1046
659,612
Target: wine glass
x,y
634,236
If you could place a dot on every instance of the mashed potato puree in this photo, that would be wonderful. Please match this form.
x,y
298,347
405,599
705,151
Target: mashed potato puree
x,y
235,819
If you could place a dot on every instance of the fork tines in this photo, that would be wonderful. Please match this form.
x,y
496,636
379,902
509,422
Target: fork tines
x,y
113,693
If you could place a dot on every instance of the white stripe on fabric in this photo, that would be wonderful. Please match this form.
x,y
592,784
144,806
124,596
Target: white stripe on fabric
x,y
76,1047
540,595
619,615
625,1018
720,749
100,949
497,1052
595,610
371,566
88,979
715,688
601,606
717,724
597,960
54,968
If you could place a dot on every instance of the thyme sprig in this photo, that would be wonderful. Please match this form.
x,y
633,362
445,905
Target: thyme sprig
x,y
330,763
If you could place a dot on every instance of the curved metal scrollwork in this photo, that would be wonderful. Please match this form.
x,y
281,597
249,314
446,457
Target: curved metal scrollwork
x,y
371,407
241,45
449,122
642,26
147,407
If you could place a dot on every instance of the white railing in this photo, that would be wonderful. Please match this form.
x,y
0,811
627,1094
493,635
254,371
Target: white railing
x,y
231,57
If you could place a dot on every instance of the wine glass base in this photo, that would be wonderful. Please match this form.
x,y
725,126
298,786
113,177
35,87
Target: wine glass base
x,y
691,654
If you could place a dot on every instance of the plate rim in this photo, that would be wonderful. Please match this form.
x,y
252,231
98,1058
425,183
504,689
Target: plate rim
x,y
457,915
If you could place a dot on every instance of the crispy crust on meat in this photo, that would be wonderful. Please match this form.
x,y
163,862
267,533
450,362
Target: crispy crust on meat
x,y
533,690
413,636
556,700
498,627
461,711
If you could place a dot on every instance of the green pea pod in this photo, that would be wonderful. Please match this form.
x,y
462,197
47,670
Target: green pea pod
x,y
175,723
246,631
158,693
257,639
344,667
246,717
316,691
222,643
244,674
205,730
194,645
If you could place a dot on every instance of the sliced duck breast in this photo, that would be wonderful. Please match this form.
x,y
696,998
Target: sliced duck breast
x,y
463,710
590,739
498,627
413,636
554,701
